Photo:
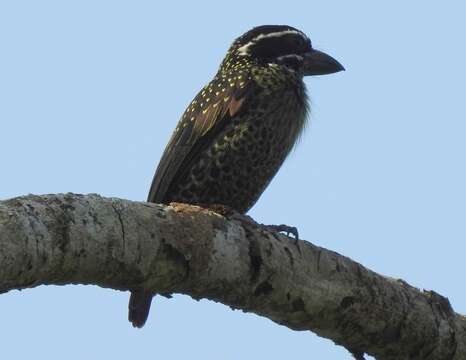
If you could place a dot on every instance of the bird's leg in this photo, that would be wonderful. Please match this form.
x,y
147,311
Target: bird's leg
x,y
229,212
223,210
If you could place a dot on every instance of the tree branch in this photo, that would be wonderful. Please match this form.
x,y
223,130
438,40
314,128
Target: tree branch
x,y
120,244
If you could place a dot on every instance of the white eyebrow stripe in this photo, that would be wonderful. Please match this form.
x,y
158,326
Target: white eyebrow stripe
x,y
243,50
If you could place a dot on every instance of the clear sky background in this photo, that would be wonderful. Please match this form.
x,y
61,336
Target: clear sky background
x,y
90,92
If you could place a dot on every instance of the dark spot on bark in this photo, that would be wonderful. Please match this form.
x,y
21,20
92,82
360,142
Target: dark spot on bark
x,y
392,334
288,296
160,214
440,302
65,207
62,239
255,258
268,251
415,353
264,288
256,263
118,212
359,271
290,256
94,217
347,302
297,305
319,255
173,254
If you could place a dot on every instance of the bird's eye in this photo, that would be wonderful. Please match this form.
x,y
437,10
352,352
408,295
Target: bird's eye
x,y
301,45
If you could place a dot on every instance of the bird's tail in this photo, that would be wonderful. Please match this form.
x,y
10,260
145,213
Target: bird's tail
x,y
138,307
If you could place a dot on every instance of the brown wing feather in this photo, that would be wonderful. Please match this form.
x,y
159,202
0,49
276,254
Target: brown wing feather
x,y
196,129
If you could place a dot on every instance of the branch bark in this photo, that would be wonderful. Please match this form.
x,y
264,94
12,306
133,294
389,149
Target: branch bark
x,y
120,244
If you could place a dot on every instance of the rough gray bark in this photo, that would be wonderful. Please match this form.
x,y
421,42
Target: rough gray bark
x,y
121,244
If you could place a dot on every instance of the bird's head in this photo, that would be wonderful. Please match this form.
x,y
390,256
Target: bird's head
x,y
281,45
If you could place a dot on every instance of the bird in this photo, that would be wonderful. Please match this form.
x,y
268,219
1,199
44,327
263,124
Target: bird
x,y
238,130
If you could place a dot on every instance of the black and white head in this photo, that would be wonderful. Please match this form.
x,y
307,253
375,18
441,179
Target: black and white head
x,y
284,46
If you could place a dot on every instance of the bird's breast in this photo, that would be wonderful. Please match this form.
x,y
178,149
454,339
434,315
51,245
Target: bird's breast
x,y
241,161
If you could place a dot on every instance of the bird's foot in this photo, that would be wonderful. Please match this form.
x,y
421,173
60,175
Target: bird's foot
x,y
288,230
231,213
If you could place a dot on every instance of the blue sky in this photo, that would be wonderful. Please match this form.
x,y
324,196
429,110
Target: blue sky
x,y
91,90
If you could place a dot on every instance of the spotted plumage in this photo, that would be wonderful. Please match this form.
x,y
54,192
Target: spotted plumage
x,y
230,143
238,130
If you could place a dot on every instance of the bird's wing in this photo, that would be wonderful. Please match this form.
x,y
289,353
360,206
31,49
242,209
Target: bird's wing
x,y
216,105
